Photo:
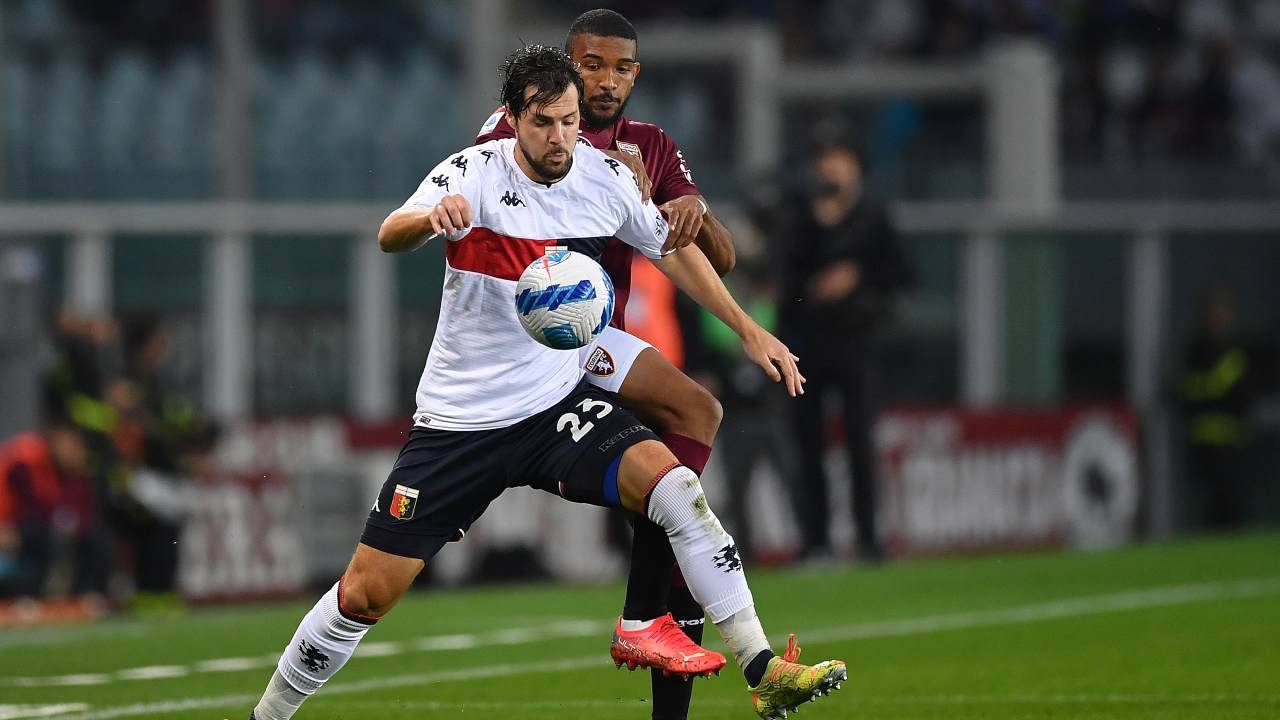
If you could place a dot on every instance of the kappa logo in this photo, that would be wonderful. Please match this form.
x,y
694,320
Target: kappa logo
x,y
600,363
727,559
441,181
460,162
613,165
488,155
403,502
510,199
626,433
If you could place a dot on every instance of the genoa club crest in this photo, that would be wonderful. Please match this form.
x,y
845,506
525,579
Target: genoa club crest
x,y
402,502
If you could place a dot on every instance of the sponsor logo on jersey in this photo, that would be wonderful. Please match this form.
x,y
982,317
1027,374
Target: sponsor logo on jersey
x,y
510,199
629,148
403,502
600,363
492,122
553,296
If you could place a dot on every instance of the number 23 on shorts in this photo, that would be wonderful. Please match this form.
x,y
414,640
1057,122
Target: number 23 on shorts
x,y
573,423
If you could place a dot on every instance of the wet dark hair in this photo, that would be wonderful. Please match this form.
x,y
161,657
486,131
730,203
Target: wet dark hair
x,y
547,69
601,22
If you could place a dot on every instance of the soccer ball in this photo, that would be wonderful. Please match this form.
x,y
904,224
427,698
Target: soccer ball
x,y
564,299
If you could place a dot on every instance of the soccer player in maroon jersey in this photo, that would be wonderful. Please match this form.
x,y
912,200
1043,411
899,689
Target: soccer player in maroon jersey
x,y
603,43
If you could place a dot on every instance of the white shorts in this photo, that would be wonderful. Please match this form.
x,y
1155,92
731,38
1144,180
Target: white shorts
x,y
609,358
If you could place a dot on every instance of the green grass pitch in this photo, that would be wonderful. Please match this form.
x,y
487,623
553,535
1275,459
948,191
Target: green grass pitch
x,y
1189,629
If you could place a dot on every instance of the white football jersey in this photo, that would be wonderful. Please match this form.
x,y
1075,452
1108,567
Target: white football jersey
x,y
484,371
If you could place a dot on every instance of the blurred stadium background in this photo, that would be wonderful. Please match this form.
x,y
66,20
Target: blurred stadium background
x,y
194,311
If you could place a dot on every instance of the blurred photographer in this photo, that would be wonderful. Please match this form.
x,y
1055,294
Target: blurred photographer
x,y
844,266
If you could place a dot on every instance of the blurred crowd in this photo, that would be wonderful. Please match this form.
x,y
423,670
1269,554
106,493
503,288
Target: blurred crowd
x,y
92,501
1146,85
1196,79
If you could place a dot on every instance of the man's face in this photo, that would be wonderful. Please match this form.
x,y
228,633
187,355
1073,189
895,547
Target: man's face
x,y
839,172
547,134
608,68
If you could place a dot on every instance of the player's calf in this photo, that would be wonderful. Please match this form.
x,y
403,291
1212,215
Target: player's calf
x,y
328,635
671,496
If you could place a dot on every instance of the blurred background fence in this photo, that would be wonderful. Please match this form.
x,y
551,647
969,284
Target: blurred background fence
x,y
1075,181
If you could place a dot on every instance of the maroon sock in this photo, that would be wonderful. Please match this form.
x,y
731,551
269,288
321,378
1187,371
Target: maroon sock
x,y
691,453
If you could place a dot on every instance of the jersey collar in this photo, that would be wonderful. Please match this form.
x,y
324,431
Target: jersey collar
x,y
609,134
525,179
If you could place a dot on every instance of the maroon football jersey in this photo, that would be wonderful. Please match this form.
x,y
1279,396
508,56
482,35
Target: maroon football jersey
x,y
663,161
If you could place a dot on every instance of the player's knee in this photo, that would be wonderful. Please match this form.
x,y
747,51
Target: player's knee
x,y
641,467
375,581
694,412
368,596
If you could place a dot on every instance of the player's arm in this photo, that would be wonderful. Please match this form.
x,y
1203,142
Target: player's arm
x,y
691,218
691,271
408,229
444,205
693,222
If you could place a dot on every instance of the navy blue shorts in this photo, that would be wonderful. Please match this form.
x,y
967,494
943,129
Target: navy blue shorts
x,y
444,479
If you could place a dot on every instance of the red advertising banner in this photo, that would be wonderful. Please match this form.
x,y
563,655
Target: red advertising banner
x,y
956,480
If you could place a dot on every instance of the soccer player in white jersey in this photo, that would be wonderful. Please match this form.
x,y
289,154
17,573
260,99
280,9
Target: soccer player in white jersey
x,y
497,410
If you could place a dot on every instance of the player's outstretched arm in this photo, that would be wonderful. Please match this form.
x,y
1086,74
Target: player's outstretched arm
x,y
692,221
690,270
716,243
408,229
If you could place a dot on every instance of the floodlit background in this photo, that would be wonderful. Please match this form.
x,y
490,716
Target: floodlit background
x,y
195,319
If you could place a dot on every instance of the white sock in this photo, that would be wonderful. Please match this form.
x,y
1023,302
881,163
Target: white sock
x,y
706,553
634,625
280,701
744,636
323,643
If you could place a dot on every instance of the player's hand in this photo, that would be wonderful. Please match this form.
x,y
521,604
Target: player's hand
x,y
635,164
453,213
685,215
778,362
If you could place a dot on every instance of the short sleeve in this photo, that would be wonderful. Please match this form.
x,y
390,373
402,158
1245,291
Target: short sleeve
x,y
643,228
457,175
673,179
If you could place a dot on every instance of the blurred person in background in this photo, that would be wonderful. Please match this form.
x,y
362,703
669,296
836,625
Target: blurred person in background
x,y
159,437
1217,393
50,539
843,266
754,429
106,381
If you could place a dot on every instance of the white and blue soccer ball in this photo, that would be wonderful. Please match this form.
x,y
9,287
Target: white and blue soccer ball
x,y
564,299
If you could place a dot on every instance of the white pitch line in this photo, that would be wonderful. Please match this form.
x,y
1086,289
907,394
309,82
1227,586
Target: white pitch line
x,y
17,712
1058,609
1022,699
507,636
154,672
1053,610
